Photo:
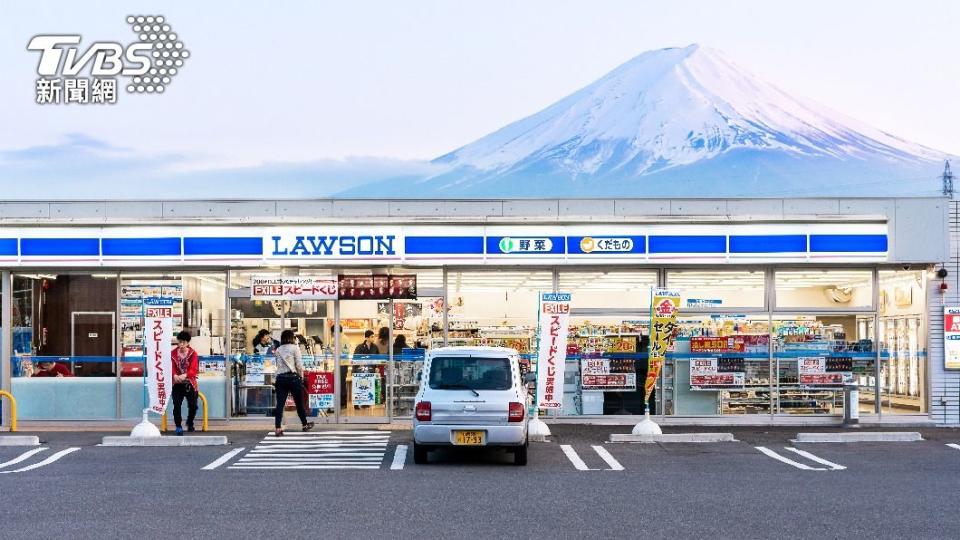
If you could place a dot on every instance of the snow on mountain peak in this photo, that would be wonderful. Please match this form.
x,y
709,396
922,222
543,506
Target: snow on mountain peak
x,y
673,107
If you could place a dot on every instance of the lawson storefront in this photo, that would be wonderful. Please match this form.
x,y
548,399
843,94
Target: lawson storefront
x,y
777,311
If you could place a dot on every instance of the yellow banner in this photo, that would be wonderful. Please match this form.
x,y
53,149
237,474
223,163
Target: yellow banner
x,y
663,324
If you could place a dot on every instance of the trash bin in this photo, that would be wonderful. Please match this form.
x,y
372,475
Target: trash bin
x,y
851,404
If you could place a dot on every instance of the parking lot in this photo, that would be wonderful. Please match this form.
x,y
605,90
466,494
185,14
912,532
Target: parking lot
x,y
363,482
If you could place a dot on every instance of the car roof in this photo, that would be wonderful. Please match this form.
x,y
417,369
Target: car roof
x,y
473,351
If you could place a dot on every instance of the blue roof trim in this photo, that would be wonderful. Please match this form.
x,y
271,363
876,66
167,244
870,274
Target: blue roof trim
x,y
607,245
64,247
782,243
446,245
120,247
848,243
688,244
209,245
8,246
557,245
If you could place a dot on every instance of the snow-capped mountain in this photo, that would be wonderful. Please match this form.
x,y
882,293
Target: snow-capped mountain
x,y
683,122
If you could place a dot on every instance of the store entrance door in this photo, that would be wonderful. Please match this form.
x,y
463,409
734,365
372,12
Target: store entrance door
x,y
93,335
364,361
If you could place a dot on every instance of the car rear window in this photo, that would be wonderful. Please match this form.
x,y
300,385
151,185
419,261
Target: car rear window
x,y
470,373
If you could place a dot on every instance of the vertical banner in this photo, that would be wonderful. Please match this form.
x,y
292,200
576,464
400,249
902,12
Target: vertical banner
x,y
951,338
554,317
663,321
157,335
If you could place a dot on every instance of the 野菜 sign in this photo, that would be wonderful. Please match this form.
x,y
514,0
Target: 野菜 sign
x,y
293,288
554,316
951,337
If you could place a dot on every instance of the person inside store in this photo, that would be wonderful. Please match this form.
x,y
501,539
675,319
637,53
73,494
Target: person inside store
x,y
46,368
186,366
304,345
383,340
289,381
317,344
263,343
399,344
368,346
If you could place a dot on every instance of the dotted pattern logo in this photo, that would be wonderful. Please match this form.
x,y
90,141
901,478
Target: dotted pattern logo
x,y
168,53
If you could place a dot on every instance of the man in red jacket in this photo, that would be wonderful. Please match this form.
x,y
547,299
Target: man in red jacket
x,y
186,365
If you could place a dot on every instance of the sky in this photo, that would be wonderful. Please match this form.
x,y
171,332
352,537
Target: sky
x,y
344,89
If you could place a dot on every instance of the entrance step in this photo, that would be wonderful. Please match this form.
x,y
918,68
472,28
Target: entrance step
x,y
863,436
196,440
673,438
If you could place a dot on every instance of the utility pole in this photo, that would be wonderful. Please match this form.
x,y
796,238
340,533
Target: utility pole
x,y
947,180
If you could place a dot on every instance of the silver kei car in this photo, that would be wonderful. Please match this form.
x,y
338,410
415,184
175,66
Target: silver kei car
x,y
471,396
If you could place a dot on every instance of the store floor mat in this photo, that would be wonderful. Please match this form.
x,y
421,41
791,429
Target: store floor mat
x,y
318,450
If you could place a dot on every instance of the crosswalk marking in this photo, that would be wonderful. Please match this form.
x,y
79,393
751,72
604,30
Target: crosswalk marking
x,y
45,462
317,450
954,445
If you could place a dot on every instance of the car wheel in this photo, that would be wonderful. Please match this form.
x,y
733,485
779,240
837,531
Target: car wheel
x,y
520,454
420,454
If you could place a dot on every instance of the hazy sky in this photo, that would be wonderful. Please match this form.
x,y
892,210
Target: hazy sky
x,y
410,80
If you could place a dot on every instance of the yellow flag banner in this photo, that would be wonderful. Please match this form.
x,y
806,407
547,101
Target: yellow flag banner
x,y
663,323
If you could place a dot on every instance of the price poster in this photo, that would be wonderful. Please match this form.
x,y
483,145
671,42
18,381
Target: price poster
x,y
822,371
716,373
608,375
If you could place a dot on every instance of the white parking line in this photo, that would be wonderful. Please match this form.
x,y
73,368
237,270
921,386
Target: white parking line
x,y
819,460
575,458
606,456
399,457
43,463
223,459
788,461
22,457
953,445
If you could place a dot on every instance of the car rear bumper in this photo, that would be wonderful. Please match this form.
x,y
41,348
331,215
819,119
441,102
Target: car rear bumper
x,y
500,435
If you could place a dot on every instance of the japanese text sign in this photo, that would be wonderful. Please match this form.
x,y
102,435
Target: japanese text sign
x,y
554,316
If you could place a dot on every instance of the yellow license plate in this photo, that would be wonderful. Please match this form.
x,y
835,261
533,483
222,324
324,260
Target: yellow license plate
x,y
468,438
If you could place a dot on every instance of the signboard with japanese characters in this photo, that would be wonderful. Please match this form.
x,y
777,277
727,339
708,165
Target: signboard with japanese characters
x,y
609,375
951,338
717,373
293,288
319,389
663,323
824,371
158,335
554,316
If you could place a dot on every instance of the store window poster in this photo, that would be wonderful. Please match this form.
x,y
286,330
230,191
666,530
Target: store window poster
x,y
363,391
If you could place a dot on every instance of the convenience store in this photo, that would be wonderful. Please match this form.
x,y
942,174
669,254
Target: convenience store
x,y
782,300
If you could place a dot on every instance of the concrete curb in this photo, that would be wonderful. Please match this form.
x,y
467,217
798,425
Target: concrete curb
x,y
673,438
198,440
19,440
865,436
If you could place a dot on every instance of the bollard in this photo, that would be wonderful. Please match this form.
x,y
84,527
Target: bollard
x,y
13,409
204,425
851,404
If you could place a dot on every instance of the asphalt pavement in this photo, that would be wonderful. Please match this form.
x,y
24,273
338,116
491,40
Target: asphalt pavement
x,y
362,483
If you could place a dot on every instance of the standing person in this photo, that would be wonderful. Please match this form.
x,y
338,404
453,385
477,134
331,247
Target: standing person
x,y
289,381
368,346
383,341
399,344
263,344
186,365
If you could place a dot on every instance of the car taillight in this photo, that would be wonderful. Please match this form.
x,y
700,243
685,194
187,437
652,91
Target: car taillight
x,y
517,412
424,411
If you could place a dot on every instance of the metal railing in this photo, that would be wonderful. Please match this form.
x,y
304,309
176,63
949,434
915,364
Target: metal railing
x,y
204,425
13,409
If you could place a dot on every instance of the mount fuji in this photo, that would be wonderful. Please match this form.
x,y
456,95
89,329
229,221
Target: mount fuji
x,y
679,122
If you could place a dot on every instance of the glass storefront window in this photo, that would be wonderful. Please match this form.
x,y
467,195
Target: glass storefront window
x,y
64,346
718,289
608,339
198,308
824,289
903,341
